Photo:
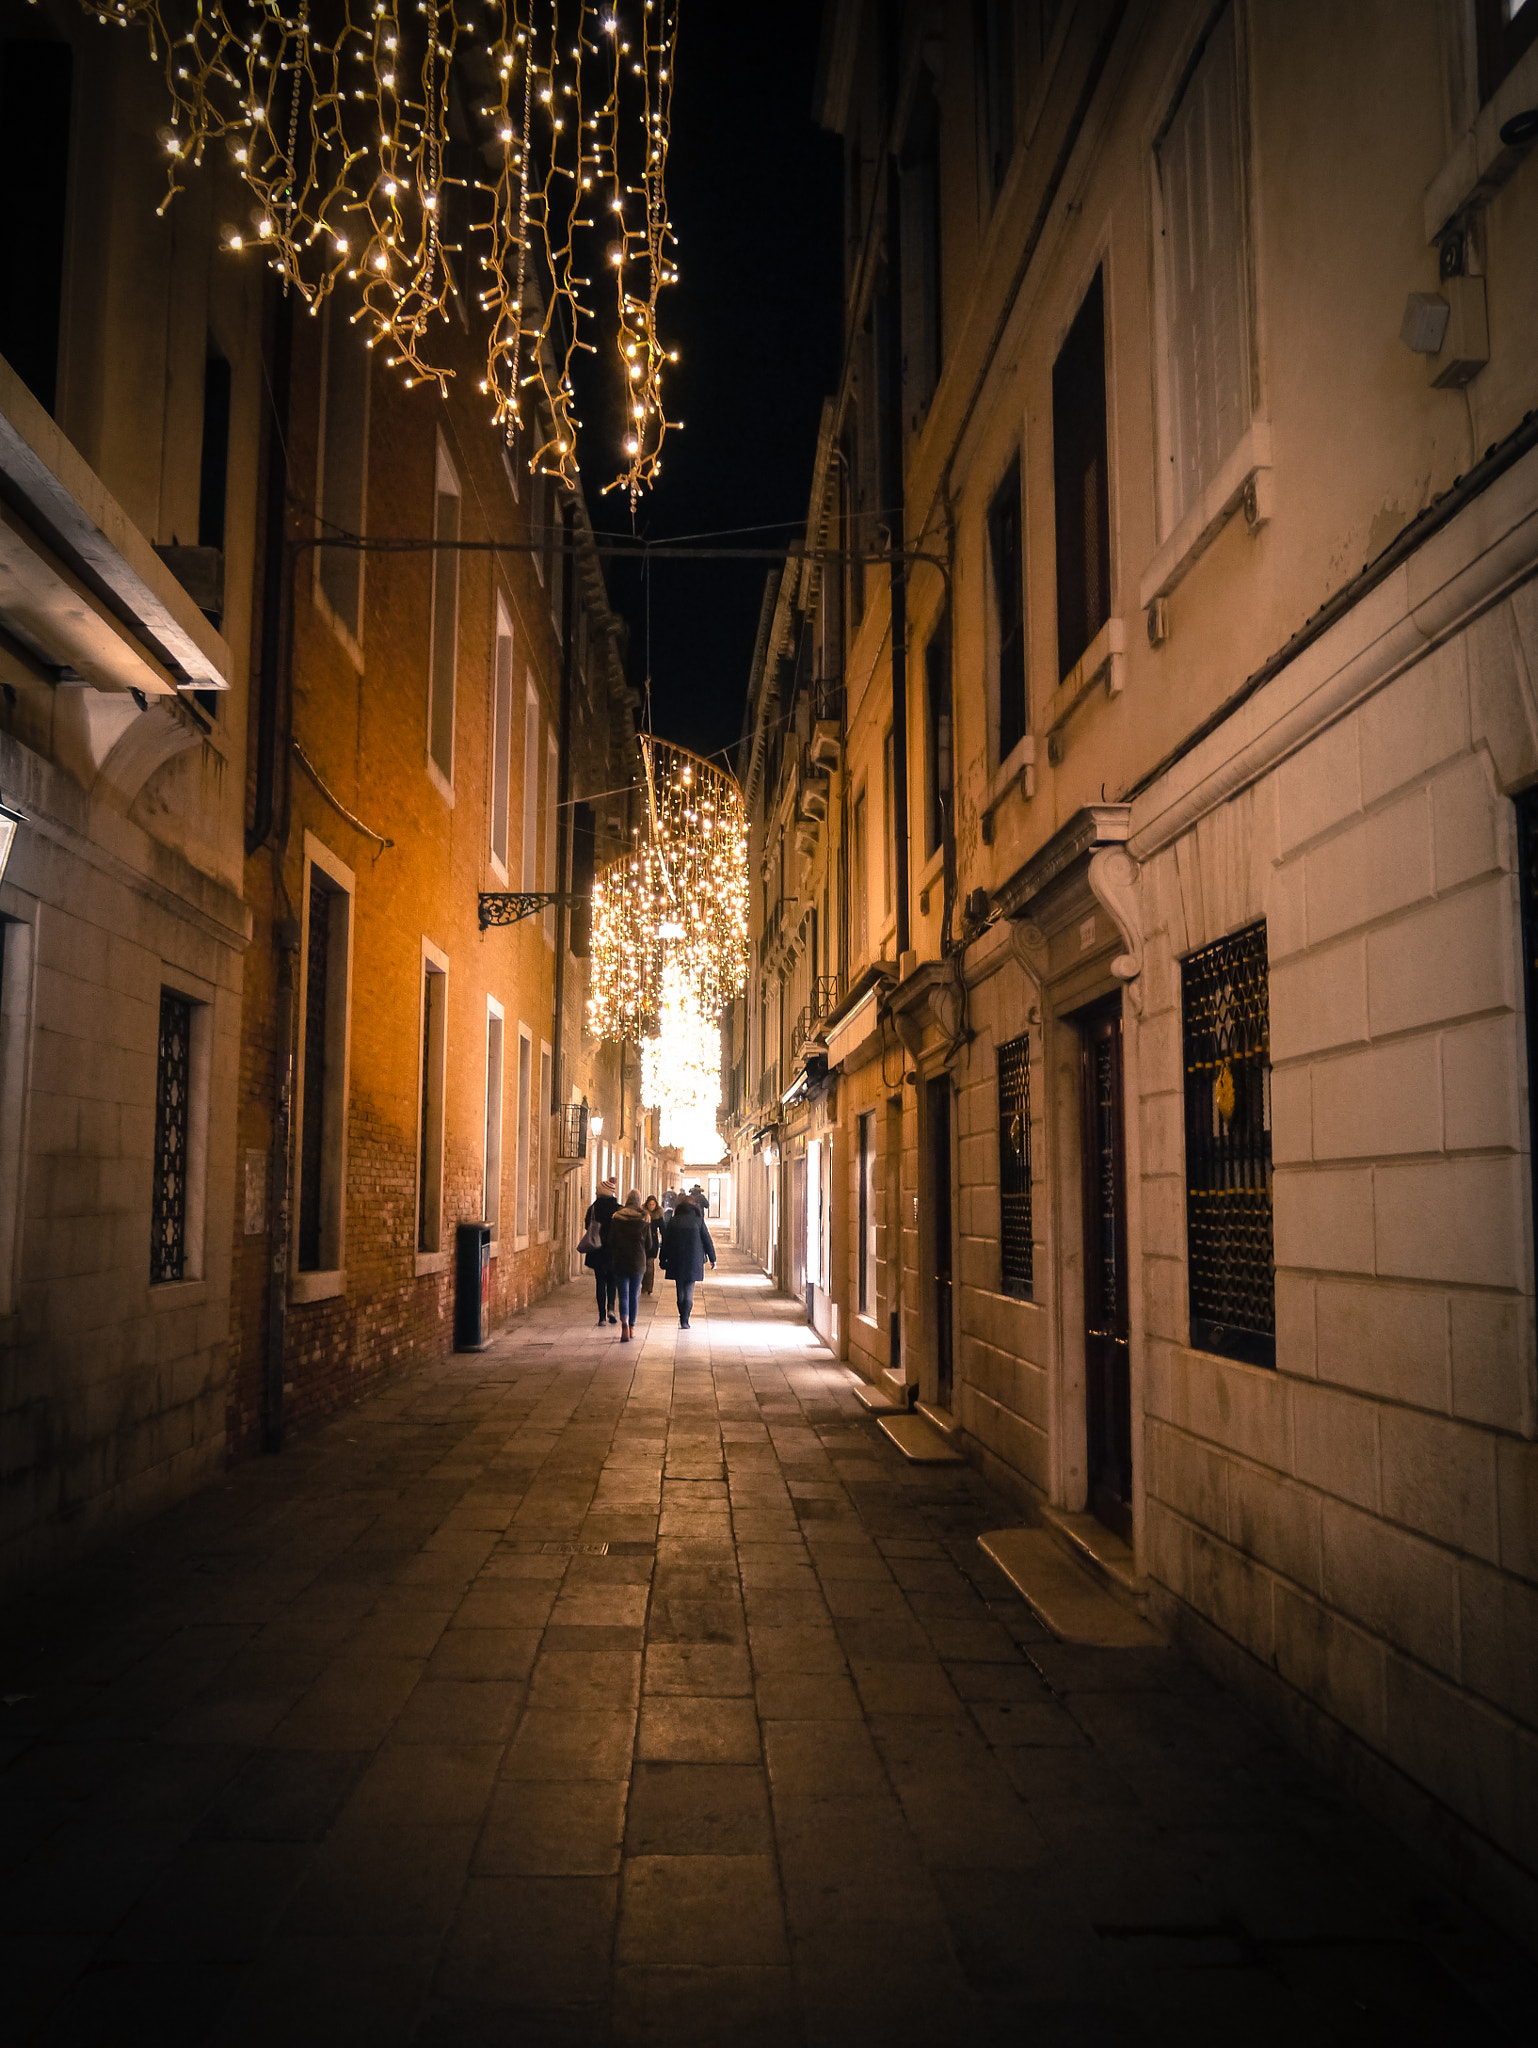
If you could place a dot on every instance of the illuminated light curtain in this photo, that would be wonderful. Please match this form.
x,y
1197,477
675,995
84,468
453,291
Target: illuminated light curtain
x,y
340,121
670,939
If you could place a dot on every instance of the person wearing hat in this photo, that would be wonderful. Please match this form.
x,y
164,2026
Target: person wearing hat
x,y
629,1235
596,1224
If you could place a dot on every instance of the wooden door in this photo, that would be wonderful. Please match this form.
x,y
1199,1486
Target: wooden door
x,y
1107,1353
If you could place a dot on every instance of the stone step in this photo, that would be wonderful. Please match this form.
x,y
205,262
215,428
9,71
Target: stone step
x,y
944,1420
876,1399
1062,1594
919,1443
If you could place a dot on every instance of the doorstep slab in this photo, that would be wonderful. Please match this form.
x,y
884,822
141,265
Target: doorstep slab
x,y
942,1419
1062,1595
876,1400
918,1442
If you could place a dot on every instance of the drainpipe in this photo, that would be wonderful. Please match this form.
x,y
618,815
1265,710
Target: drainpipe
x,y
563,809
275,575
892,435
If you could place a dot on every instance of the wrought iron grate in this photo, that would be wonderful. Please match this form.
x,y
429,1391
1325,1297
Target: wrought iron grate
x,y
1015,1245
173,1080
1225,993
573,1130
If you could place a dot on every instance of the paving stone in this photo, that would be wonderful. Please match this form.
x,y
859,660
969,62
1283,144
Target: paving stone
x,y
700,1909
680,1729
522,1942
683,1809
717,1669
540,1828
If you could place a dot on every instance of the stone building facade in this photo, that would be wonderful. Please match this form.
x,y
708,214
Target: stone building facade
x,y
437,722
1177,1084
130,398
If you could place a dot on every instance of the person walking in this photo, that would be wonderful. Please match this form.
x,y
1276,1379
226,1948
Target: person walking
x,y
629,1236
654,1220
600,1209
686,1245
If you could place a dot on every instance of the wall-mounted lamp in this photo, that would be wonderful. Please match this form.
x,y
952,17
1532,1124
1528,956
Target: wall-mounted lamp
x,y
9,820
595,1125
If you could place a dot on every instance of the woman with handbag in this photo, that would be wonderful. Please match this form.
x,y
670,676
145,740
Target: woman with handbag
x,y
595,1247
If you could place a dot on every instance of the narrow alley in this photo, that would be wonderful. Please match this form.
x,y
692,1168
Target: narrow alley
x,y
574,1693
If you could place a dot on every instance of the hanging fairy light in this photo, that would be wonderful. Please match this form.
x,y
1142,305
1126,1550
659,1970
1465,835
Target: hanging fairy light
x,y
681,1069
680,896
353,127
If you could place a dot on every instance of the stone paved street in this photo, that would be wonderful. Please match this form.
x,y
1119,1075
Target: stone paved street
x,y
578,1692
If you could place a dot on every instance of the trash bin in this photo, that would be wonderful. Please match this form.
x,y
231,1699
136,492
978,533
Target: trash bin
x,y
472,1286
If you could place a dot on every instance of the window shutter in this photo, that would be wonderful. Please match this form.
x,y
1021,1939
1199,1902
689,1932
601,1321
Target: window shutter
x,y
531,794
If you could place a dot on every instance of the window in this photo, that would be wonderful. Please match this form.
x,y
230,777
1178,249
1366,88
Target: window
x,y
937,735
867,1292
444,652
181,1128
491,1183
1506,28
501,739
1206,304
322,1089
1015,1236
521,1188
430,1093
888,819
214,460
860,883
552,878
531,766
994,45
1226,1011
1081,474
1006,569
342,489
542,1143
35,95
921,274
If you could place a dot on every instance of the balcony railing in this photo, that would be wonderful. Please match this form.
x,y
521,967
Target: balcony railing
x,y
826,992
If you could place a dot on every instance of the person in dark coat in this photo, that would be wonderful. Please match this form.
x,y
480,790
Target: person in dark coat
x,y
629,1236
655,1220
686,1245
600,1209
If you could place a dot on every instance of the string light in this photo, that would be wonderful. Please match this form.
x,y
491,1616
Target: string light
x,y
351,141
669,942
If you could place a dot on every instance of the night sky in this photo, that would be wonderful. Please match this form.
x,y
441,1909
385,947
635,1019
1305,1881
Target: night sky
x,y
754,194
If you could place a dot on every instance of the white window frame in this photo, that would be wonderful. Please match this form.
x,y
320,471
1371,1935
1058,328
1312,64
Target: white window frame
x,y
200,1051
496,1093
552,871
431,1257
331,1278
529,866
501,741
1240,477
353,642
445,588
521,1156
18,982
544,1139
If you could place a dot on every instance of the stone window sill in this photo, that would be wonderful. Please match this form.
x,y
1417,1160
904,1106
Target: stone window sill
x,y
1244,479
1480,162
429,1262
1104,658
178,1293
304,1287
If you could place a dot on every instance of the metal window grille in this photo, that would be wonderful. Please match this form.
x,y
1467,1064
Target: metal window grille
x,y
1225,992
1015,1248
573,1130
173,1081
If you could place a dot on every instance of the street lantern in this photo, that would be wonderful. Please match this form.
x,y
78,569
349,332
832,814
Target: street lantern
x,y
595,1125
9,820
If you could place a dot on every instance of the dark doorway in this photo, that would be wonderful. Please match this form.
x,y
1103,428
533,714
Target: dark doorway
x,y
1107,1360
939,1178
798,1226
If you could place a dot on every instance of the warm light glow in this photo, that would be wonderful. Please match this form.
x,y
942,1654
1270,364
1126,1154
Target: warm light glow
x,y
670,941
334,128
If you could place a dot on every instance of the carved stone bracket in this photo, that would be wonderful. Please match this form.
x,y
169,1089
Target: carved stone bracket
x,y
1114,881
